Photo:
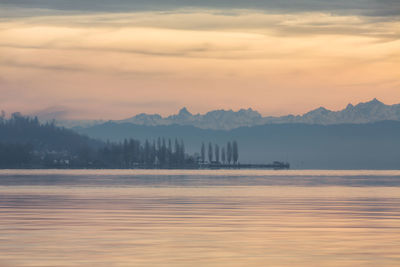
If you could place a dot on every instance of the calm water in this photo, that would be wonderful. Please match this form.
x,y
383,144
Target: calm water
x,y
199,218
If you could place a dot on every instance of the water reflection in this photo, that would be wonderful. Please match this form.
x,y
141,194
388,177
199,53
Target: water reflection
x,y
181,219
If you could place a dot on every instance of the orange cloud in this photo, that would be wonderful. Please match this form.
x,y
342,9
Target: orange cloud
x,y
113,66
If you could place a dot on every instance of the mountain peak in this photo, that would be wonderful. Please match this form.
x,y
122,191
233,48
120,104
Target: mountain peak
x,y
318,111
184,111
250,112
374,102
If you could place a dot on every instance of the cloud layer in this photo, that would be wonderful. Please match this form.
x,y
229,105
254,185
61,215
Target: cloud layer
x,y
282,58
358,7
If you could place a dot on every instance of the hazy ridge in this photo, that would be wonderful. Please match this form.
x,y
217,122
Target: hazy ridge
x,y
306,146
367,112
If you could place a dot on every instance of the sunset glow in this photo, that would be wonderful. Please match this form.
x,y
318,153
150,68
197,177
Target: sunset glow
x,y
114,65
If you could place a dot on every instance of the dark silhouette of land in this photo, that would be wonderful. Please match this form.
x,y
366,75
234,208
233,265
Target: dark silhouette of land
x,y
26,143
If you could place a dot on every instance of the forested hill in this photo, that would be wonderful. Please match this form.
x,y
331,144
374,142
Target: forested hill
x,y
25,130
26,143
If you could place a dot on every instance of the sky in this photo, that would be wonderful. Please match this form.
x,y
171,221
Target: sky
x,y
87,59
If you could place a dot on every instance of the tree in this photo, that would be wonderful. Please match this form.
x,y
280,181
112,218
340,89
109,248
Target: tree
x,y
135,144
147,153
235,152
210,152
153,153
159,149
176,151
182,152
203,153
229,152
163,152
125,151
169,152
216,153
2,116
223,156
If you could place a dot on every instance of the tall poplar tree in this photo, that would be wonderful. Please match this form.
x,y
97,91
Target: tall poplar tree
x,y
210,153
229,152
216,153
235,152
203,153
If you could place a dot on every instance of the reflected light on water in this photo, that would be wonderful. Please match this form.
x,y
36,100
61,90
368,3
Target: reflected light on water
x,y
187,218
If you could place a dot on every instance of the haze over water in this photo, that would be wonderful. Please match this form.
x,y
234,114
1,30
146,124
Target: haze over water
x,y
199,218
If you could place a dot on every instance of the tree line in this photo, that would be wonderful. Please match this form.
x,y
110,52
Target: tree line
x,y
131,153
228,154
27,143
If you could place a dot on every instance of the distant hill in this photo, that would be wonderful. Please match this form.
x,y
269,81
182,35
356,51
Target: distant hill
x,y
26,143
25,130
337,146
368,112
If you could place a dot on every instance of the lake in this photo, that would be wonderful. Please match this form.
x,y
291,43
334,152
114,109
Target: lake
x,y
199,218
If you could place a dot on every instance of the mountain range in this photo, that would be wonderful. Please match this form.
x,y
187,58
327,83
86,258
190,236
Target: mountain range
x,y
366,112
362,136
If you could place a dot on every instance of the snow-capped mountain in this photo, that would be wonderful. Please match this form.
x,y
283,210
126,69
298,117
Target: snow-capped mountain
x,y
216,119
371,111
367,112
